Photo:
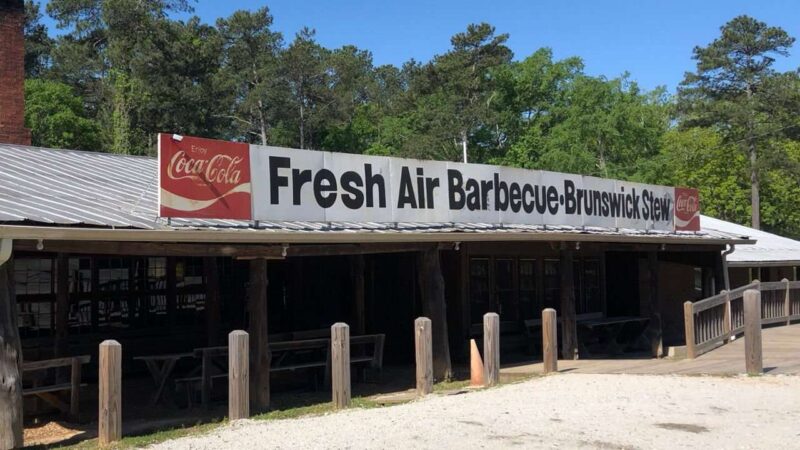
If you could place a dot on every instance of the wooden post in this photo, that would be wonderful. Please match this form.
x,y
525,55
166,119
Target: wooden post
x,y
212,307
109,421
491,348
62,305
688,320
787,308
238,375
654,329
476,377
752,332
727,326
11,429
431,285
259,345
359,311
569,325
422,341
340,364
75,390
549,340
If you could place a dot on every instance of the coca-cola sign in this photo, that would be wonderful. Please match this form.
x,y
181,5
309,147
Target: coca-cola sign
x,y
204,178
687,209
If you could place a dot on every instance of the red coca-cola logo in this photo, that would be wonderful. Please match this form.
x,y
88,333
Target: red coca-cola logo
x,y
687,209
204,178
222,169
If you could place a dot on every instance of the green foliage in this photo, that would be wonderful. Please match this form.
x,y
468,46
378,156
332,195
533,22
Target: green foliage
x,y
736,91
124,70
56,117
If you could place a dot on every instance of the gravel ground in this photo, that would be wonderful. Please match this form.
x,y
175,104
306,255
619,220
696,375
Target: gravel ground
x,y
562,411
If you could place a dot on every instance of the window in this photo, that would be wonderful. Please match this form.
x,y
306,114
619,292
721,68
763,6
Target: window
x,y
35,289
505,289
479,288
529,305
591,294
552,284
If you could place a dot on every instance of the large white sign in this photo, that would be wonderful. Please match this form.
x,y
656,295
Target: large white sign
x,y
302,185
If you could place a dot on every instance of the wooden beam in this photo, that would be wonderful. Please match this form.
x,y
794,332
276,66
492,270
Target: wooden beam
x,y
569,332
654,327
359,302
213,316
340,365
219,250
259,346
10,363
431,286
62,304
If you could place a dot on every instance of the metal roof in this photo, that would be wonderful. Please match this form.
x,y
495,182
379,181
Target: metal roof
x,y
770,249
69,189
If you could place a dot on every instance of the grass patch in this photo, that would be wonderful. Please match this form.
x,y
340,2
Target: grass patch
x,y
452,385
129,442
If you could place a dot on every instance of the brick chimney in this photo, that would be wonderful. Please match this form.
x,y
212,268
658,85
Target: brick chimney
x,y
12,73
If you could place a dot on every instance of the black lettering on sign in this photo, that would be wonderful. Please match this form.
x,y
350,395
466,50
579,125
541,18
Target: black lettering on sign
x,y
570,203
351,182
455,191
277,181
325,188
406,195
373,181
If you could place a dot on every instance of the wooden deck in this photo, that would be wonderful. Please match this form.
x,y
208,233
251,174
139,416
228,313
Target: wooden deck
x,y
781,356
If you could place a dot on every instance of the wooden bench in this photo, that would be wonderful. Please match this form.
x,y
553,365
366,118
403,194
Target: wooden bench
x,y
49,392
305,354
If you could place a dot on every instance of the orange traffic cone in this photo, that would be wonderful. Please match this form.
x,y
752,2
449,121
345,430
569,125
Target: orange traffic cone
x,y
475,365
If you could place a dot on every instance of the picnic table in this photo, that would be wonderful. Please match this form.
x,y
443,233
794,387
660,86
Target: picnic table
x,y
609,329
161,368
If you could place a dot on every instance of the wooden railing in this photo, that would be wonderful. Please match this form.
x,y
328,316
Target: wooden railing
x,y
713,321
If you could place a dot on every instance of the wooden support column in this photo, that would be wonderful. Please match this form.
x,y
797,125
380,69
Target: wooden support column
x,y
431,286
213,316
359,303
10,359
259,346
62,304
569,326
654,327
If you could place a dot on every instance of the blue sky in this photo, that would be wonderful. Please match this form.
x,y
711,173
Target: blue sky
x,y
652,40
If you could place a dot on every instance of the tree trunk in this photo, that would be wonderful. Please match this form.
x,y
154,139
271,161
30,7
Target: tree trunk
x,y
10,363
755,201
431,286
569,326
262,122
259,346
464,144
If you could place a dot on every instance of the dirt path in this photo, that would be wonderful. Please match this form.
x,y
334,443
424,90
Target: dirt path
x,y
562,411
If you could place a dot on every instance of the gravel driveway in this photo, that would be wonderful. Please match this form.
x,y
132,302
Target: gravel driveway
x,y
562,411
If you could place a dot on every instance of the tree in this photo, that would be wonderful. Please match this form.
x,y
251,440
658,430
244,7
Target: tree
x,y
303,65
459,85
57,118
38,44
733,89
250,71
